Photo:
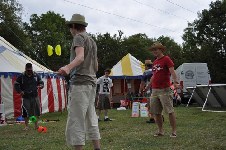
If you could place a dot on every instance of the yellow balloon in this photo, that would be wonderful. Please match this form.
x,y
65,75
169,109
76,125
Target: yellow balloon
x,y
58,50
50,50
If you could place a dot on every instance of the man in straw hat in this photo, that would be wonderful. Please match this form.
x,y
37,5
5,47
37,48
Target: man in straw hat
x,y
161,98
82,120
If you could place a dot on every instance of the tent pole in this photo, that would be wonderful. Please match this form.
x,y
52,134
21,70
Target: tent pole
x,y
124,91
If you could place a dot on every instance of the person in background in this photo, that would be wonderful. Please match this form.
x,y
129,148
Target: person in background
x,y
105,95
176,96
161,97
145,81
27,85
82,122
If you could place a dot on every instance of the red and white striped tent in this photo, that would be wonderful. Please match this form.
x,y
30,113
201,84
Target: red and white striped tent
x,y
12,63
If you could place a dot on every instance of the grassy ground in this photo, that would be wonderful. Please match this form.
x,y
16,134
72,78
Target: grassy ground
x,y
196,130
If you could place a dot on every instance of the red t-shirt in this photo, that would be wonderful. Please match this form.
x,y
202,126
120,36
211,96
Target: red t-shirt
x,y
161,73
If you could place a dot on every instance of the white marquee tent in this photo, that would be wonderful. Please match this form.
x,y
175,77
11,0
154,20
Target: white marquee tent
x,y
126,75
128,67
12,63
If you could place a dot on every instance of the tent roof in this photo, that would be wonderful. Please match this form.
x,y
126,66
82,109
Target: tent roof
x,y
13,61
128,67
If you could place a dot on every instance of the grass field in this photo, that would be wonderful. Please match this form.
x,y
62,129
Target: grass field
x,y
196,130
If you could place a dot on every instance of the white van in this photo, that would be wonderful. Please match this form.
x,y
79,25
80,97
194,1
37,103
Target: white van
x,y
190,75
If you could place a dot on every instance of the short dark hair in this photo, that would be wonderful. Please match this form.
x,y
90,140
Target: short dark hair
x,y
28,65
107,70
148,65
78,27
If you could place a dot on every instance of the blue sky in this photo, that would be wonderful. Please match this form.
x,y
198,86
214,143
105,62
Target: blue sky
x,y
152,17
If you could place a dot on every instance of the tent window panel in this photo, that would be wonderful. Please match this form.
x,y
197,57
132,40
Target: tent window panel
x,y
137,85
117,86
132,86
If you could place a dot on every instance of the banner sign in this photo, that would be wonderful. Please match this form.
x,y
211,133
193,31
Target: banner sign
x,y
143,110
135,109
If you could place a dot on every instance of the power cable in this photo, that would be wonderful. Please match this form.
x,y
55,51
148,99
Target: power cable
x,y
180,6
118,15
163,11
195,1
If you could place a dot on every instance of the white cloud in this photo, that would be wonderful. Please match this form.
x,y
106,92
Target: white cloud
x,y
154,18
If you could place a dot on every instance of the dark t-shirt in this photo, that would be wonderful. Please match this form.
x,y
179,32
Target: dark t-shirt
x,y
28,85
146,78
147,75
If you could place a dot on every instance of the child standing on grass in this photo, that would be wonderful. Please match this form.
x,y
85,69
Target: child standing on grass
x,y
105,95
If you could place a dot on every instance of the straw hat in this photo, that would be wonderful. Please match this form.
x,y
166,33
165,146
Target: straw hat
x,y
147,62
78,19
157,45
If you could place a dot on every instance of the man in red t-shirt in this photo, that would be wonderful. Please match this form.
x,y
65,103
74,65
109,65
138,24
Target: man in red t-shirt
x,y
161,98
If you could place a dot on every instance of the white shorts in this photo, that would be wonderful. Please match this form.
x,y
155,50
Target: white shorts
x,y
82,122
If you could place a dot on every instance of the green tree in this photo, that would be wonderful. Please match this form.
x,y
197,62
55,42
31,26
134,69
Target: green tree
x,y
109,50
137,45
190,49
206,40
11,26
49,29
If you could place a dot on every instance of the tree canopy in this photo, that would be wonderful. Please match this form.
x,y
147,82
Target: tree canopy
x,y
205,40
11,25
49,29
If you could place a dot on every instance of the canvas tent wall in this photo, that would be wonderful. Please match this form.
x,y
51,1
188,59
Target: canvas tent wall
x,y
126,74
12,63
